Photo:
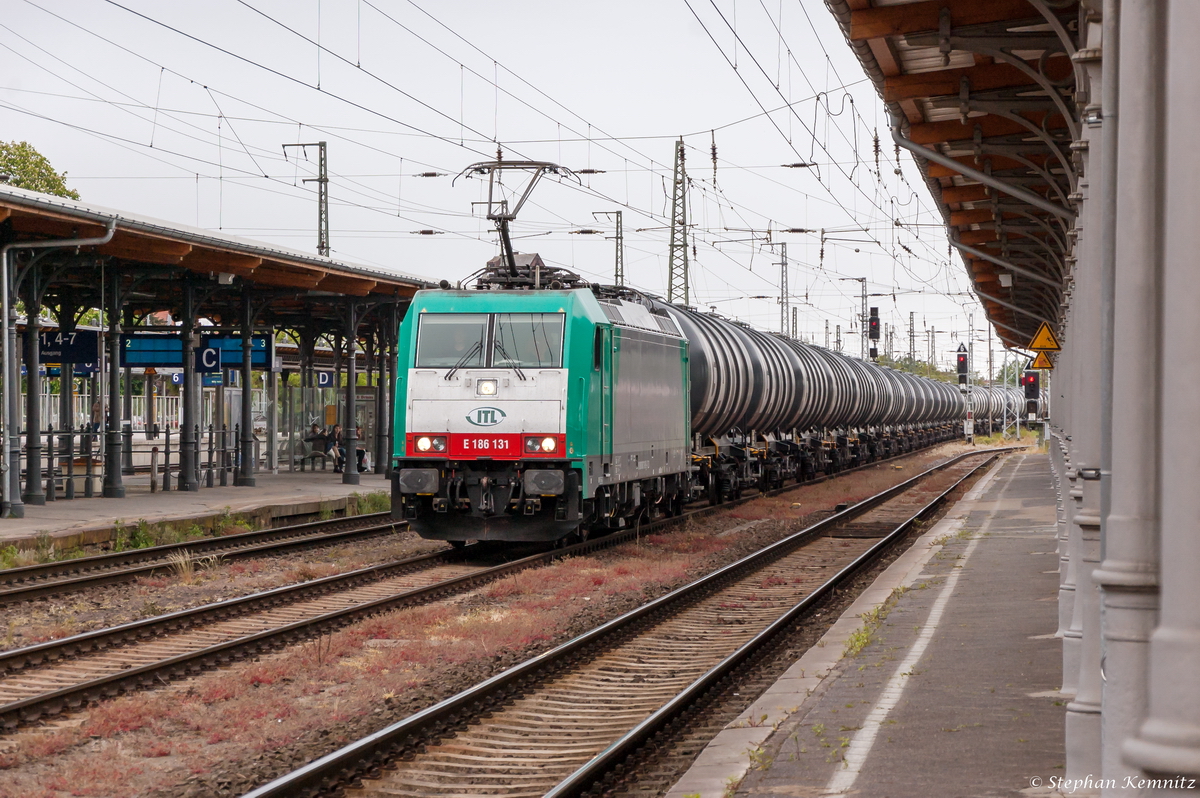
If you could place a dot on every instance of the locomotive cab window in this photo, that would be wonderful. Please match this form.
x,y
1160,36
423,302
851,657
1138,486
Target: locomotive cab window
x,y
528,340
446,340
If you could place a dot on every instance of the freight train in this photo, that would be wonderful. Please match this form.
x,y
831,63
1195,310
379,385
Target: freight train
x,y
536,407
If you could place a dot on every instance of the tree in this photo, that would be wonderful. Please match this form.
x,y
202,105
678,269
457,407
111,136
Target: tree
x,y
29,169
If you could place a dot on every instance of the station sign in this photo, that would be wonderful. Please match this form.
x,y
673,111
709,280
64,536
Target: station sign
x,y
208,360
208,380
324,379
262,350
157,350
77,370
80,346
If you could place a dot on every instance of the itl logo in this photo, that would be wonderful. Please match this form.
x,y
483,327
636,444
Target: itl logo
x,y
486,416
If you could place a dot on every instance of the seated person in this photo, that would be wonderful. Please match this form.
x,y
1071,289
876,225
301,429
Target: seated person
x,y
318,439
336,448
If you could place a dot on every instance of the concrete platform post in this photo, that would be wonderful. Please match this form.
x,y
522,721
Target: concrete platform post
x,y
349,435
1128,575
188,467
245,472
34,493
114,487
1168,743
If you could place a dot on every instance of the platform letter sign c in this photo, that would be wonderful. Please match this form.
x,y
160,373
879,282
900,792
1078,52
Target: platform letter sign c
x,y
208,361
486,416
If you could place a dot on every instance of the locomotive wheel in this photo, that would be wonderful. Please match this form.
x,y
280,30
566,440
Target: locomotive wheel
x,y
714,490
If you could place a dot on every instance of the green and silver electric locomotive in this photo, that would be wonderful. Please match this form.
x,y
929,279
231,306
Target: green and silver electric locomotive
x,y
533,415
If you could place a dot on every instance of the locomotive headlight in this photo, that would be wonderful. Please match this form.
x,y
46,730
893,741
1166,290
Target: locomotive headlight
x,y
549,444
485,387
532,445
439,444
424,443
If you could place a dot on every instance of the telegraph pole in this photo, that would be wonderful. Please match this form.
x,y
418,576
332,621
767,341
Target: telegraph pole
x,y
826,333
912,337
677,269
322,181
619,269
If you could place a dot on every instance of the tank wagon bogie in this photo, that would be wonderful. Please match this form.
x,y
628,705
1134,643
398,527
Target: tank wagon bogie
x,y
540,414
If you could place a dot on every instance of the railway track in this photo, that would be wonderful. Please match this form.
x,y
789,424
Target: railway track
x,y
566,721
32,582
39,581
60,675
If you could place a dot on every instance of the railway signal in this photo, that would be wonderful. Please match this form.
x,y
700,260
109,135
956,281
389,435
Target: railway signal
x,y
1031,381
873,325
964,364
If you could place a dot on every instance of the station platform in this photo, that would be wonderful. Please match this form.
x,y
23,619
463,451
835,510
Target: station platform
x,y
956,694
91,521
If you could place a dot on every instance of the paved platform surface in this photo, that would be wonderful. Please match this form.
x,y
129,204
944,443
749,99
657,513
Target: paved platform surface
x,y
956,695
82,521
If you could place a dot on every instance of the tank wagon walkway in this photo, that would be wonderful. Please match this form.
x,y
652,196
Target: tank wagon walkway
x,y
957,692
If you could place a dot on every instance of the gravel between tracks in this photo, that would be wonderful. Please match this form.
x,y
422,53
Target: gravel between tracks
x,y
224,732
110,605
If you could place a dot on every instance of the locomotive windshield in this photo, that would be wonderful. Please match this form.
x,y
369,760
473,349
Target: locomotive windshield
x,y
528,340
445,339
496,340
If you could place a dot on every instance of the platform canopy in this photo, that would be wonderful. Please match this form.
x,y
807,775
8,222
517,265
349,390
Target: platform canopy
x,y
982,92
297,288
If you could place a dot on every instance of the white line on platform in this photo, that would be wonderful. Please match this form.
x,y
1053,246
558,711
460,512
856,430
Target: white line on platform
x,y
860,747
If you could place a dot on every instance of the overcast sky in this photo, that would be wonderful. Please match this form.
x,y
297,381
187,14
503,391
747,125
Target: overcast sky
x,y
180,111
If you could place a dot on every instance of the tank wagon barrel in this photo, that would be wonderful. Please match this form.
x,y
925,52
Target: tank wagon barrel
x,y
744,379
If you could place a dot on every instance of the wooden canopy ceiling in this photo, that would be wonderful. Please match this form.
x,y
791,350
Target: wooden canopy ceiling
x,y
297,287
990,85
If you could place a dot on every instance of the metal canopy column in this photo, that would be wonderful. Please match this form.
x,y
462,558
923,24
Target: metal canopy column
x,y
34,493
1128,575
114,488
245,473
393,333
349,434
127,408
381,383
1168,743
188,467
1083,713
272,390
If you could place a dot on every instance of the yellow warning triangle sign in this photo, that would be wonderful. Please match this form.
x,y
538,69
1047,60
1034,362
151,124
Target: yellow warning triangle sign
x,y
1044,340
1041,362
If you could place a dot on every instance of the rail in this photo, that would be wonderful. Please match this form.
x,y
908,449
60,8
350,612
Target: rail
x,y
348,765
